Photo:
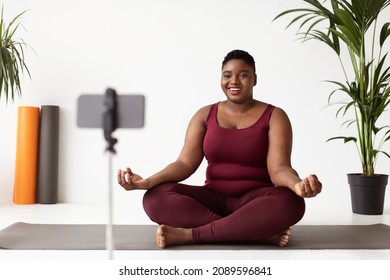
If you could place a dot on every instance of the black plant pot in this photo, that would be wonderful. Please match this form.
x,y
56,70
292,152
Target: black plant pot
x,y
367,193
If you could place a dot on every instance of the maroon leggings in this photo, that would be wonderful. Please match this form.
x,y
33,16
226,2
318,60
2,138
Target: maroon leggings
x,y
254,216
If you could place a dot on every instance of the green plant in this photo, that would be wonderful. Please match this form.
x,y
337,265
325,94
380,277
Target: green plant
x,y
347,28
12,62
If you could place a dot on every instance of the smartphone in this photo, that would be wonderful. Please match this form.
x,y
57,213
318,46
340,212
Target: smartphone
x,y
130,111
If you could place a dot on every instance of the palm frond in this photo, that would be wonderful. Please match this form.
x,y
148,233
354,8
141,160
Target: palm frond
x,y
347,22
12,59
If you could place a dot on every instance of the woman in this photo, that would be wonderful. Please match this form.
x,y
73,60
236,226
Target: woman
x,y
251,192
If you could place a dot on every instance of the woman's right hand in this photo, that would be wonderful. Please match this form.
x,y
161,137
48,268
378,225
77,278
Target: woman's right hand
x,y
130,181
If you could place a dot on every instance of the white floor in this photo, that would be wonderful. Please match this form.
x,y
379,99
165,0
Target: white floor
x,y
123,214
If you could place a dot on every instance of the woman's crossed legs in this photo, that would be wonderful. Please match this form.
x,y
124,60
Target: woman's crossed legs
x,y
192,214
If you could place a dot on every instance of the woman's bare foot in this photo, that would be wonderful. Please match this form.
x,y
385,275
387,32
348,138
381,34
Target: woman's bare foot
x,y
166,236
280,239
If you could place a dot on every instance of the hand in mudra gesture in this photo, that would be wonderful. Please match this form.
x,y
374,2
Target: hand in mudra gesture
x,y
308,187
130,181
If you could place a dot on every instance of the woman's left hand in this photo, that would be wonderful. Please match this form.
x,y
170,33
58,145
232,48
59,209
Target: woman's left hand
x,y
308,187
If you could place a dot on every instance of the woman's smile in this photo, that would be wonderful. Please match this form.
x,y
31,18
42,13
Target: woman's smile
x,y
234,90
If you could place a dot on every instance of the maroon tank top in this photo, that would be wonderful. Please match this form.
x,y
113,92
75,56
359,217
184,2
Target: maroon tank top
x,y
237,158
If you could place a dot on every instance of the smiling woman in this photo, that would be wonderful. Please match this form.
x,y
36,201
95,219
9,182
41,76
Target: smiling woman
x,y
251,192
238,78
237,82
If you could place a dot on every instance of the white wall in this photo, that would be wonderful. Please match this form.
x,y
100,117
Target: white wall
x,y
170,51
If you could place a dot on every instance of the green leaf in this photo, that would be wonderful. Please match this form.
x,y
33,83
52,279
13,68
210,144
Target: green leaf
x,y
386,154
293,11
346,35
385,32
346,139
348,23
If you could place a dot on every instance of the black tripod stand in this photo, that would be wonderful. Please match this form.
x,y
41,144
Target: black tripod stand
x,y
119,111
109,126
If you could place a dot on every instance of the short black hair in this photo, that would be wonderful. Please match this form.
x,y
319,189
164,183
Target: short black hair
x,y
242,55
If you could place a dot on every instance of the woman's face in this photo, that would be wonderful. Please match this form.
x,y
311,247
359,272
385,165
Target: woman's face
x,y
237,81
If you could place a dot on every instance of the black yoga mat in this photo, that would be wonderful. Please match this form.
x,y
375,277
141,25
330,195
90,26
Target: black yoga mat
x,y
47,179
25,236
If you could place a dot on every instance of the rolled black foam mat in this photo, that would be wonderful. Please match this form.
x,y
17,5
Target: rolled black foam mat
x,y
47,178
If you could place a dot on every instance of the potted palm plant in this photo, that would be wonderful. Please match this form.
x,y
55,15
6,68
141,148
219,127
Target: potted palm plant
x,y
12,61
350,28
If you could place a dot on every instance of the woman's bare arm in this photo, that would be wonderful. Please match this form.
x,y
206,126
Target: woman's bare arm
x,y
279,158
186,164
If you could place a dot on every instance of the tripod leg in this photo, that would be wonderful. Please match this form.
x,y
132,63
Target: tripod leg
x,y
109,227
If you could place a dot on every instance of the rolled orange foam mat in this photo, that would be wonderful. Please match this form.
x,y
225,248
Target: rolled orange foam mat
x,y
26,155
